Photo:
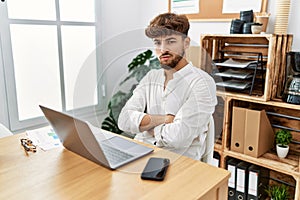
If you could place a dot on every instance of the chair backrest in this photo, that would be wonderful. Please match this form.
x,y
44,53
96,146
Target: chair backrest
x,y
210,143
4,131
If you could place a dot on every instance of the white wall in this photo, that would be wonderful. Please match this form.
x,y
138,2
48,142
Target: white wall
x,y
122,38
294,27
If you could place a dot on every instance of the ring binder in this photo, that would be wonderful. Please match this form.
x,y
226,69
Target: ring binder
x,y
258,179
231,166
242,180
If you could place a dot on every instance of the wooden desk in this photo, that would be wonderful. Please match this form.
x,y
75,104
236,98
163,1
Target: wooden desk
x,y
60,174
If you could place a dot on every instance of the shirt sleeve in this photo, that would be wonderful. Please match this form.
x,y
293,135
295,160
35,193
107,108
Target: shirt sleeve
x,y
191,119
133,112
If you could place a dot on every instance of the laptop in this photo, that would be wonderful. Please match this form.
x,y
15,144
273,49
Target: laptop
x,y
95,144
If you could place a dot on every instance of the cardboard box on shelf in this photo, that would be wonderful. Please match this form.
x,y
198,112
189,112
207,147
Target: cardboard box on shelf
x,y
238,129
259,135
251,132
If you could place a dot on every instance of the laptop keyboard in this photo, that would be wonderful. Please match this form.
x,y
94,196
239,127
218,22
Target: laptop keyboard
x,y
113,155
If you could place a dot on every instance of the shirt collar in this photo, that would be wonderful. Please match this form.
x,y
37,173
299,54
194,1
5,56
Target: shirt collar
x,y
187,69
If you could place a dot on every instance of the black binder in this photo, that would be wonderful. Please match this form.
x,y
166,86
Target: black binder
x,y
231,166
258,178
216,159
242,180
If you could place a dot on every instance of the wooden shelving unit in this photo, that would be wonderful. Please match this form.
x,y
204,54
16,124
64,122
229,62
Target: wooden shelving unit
x,y
289,165
273,48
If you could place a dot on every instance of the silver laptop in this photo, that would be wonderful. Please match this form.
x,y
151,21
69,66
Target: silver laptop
x,y
102,147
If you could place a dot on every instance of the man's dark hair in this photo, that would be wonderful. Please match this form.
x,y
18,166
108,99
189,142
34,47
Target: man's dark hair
x,y
168,24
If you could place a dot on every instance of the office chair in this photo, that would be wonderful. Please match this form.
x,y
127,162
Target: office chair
x,y
4,131
210,143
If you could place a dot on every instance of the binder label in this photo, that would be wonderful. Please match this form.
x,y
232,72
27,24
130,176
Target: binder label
x,y
253,181
215,162
231,181
240,182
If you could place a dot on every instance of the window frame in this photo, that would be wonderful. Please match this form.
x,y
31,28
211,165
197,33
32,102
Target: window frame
x,y
14,123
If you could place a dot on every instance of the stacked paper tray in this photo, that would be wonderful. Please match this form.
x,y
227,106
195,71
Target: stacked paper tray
x,y
234,84
235,74
237,64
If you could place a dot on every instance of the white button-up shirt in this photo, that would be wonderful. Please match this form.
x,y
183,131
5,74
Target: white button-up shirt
x,y
190,96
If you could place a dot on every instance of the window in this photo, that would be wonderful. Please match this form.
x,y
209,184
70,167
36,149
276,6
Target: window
x,y
50,58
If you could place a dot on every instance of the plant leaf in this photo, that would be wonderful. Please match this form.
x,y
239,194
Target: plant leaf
x,y
110,125
140,60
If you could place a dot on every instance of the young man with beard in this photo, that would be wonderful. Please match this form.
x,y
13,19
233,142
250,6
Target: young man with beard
x,y
171,107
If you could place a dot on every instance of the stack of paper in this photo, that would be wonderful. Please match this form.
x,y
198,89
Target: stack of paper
x,y
235,74
237,64
45,138
234,84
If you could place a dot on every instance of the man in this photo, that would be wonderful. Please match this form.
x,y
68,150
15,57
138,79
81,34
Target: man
x,y
171,107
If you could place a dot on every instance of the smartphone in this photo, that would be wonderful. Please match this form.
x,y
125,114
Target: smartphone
x,y
155,169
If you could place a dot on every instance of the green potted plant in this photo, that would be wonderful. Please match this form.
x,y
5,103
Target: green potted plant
x,y
138,68
283,139
278,192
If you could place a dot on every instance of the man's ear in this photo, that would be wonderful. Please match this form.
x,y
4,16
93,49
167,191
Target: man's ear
x,y
187,42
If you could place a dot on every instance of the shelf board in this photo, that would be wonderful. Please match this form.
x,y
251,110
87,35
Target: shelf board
x,y
269,161
257,99
238,35
241,96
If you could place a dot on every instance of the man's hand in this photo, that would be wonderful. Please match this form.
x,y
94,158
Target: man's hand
x,y
150,121
151,131
169,118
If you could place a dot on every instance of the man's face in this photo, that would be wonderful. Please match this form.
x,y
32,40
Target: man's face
x,y
170,49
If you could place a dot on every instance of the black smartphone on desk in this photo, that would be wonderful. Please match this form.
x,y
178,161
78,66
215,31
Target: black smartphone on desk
x,y
155,169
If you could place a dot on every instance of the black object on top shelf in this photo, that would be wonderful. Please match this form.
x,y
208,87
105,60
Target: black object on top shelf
x,y
236,26
246,16
242,25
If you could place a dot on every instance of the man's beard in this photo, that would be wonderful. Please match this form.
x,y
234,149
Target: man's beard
x,y
173,63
